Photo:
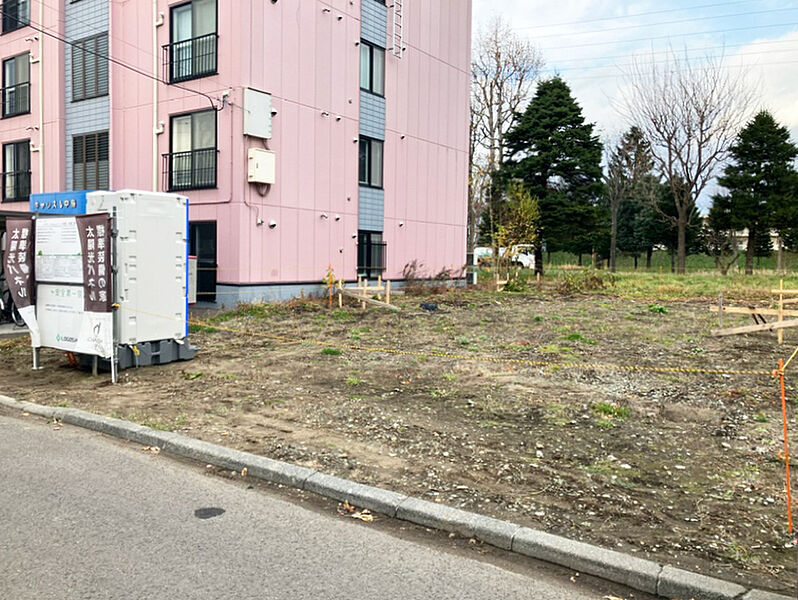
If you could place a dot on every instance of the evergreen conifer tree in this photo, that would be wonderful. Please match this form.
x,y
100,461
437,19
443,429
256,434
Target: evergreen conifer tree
x,y
558,157
759,183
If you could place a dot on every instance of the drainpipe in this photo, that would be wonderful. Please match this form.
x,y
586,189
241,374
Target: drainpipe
x,y
157,127
41,99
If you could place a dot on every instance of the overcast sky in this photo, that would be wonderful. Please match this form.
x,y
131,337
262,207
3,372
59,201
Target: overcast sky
x,y
588,42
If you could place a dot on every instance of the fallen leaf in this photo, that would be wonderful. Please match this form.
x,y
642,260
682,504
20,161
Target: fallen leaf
x,y
364,515
152,449
346,509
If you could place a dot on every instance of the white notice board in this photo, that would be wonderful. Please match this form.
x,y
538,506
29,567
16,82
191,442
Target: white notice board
x,y
66,326
59,257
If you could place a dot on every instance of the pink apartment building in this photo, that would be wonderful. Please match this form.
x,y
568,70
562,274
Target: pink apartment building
x,y
306,133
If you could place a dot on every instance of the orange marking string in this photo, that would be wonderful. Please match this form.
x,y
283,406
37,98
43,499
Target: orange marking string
x,y
786,445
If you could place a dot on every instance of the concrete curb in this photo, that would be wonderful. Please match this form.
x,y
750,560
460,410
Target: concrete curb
x,y
630,571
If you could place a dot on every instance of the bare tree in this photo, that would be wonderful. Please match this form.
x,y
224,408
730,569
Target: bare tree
x,y
478,183
627,166
504,68
690,114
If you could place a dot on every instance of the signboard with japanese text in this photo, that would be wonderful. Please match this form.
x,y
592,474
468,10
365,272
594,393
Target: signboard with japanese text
x,y
74,282
19,261
95,242
18,265
58,251
66,325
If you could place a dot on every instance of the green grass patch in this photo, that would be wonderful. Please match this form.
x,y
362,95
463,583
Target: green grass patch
x,y
605,409
357,332
575,337
555,349
332,352
155,422
201,329
192,376
342,315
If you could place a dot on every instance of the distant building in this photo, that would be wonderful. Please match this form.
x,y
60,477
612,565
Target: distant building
x,y
307,134
742,239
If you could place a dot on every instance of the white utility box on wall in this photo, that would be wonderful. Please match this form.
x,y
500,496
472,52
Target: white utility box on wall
x,y
257,114
262,166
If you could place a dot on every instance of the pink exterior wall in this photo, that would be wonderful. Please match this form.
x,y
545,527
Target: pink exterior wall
x,y
427,92
305,55
46,134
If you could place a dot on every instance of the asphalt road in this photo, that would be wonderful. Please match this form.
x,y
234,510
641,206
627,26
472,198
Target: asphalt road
x,y
87,517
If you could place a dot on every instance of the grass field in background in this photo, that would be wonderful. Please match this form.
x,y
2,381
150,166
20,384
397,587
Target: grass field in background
x,y
707,285
661,258
701,283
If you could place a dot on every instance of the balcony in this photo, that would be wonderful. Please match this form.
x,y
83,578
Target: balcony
x,y
16,14
193,170
371,258
16,100
16,186
191,59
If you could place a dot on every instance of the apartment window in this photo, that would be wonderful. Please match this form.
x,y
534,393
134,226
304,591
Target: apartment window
x,y
90,165
16,14
16,172
191,164
90,68
372,68
371,157
370,254
192,52
16,86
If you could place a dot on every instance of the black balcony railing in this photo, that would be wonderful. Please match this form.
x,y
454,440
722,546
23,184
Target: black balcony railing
x,y
16,100
371,258
16,186
191,59
16,14
194,170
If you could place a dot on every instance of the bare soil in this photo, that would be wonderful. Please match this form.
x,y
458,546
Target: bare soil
x,y
681,468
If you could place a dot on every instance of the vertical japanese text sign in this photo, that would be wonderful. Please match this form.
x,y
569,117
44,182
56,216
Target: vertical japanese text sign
x,y
95,242
19,261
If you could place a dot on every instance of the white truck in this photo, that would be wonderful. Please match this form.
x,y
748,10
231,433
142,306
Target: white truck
x,y
521,255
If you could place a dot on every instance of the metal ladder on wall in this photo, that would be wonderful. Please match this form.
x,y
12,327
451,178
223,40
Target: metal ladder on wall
x,y
398,49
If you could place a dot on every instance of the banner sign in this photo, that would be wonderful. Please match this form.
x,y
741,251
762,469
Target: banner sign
x,y
95,242
68,304
65,325
58,250
19,261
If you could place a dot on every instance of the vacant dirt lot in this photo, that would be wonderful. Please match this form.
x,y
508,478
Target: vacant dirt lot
x,y
681,468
